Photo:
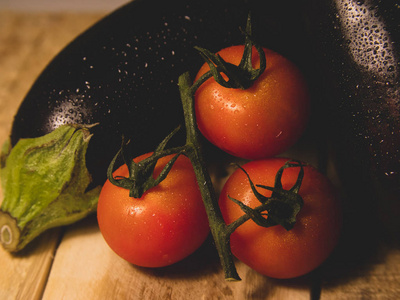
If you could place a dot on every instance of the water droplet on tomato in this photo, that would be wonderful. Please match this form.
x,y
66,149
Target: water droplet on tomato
x,y
134,210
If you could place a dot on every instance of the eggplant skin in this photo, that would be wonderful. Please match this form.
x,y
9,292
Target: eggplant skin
x,y
360,64
122,72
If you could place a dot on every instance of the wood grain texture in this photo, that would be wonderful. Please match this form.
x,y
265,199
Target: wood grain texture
x,y
86,268
24,276
75,262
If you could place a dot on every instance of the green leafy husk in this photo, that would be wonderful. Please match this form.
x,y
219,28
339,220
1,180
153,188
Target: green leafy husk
x,y
44,182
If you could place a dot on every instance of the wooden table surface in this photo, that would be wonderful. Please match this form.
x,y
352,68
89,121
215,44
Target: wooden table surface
x,y
75,263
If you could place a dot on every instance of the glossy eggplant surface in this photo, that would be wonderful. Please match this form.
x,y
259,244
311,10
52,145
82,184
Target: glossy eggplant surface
x,y
357,48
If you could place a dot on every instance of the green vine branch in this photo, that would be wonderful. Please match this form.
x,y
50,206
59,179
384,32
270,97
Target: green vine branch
x,y
217,224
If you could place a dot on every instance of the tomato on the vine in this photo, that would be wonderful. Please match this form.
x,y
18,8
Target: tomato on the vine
x,y
261,121
165,225
274,251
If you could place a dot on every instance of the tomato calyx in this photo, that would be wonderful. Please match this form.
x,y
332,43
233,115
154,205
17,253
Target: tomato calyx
x,y
281,208
241,76
140,177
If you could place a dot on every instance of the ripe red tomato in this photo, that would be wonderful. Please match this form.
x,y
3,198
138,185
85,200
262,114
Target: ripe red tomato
x,y
261,121
165,225
274,251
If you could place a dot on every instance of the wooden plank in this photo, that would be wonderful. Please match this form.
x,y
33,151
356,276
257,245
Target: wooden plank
x,y
86,268
24,276
51,6
27,42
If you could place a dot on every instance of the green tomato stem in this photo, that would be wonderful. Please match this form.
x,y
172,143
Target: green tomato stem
x,y
219,229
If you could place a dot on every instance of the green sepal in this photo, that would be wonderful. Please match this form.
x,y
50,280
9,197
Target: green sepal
x,y
282,207
44,182
140,177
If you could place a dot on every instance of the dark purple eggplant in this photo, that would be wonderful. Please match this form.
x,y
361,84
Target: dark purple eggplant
x,y
121,76
357,46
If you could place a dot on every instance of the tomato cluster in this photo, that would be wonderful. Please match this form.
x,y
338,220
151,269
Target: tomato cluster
x,y
169,221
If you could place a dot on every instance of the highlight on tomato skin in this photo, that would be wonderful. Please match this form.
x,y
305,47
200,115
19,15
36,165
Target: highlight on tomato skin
x,y
261,121
164,226
274,251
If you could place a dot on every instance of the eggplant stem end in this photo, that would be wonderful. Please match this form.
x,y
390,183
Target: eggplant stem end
x,y
9,232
